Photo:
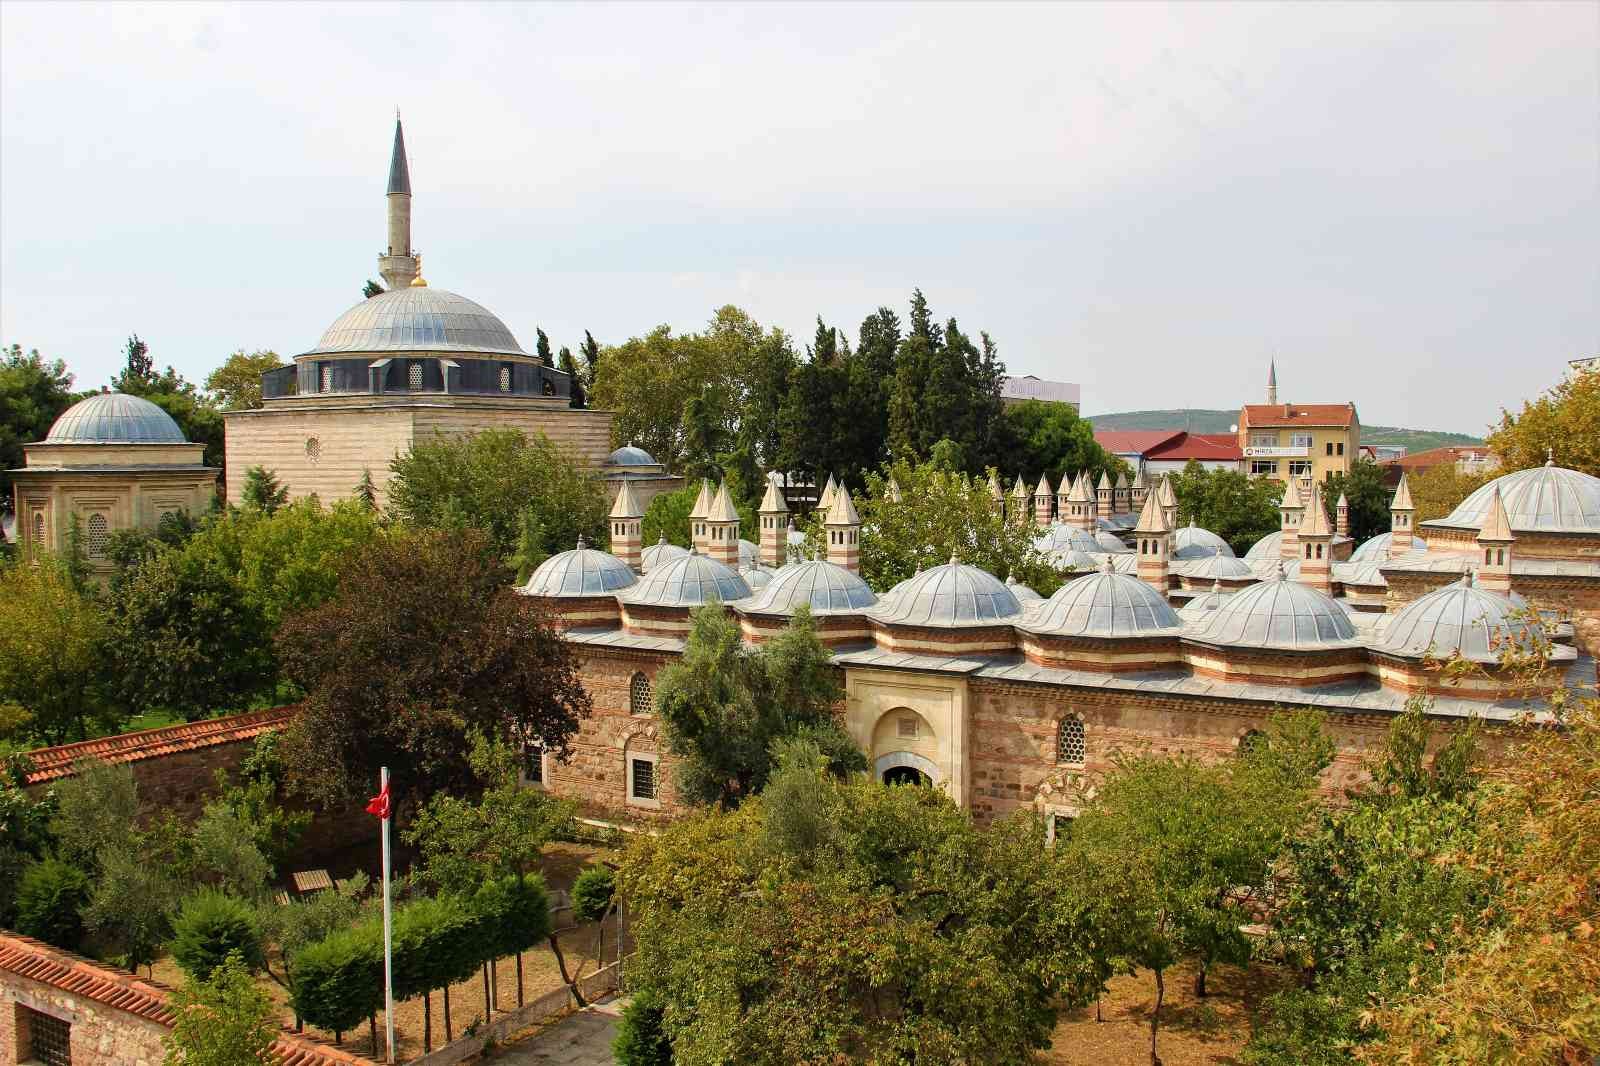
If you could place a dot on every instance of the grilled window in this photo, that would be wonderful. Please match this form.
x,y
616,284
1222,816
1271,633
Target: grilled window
x,y
908,728
38,528
327,377
414,376
99,529
1252,740
1071,746
640,700
44,1038
533,762
643,779
505,379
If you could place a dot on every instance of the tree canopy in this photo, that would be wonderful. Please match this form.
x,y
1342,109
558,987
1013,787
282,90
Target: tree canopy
x,y
1367,494
1564,421
236,384
197,416
54,646
1237,507
33,393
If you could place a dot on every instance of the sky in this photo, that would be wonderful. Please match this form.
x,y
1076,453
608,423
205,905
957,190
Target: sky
x,y
1399,202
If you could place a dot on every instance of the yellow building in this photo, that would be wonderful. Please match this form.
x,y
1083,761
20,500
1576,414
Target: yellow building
x,y
1306,441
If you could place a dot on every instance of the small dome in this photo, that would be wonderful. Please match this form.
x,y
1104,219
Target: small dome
x,y
580,572
1278,613
1375,548
1266,568
1123,562
757,577
1200,607
1192,542
1110,542
417,320
1545,498
749,554
1105,604
827,587
1265,548
659,553
1064,538
951,595
1078,561
1217,565
114,418
1360,572
687,581
1025,595
628,455
1459,618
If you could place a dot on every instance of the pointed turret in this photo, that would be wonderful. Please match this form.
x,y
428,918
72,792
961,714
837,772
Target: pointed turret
x,y
1401,510
825,501
774,516
1017,508
892,493
1169,501
1314,541
843,526
399,264
1290,510
1138,490
1074,509
626,522
722,529
1494,540
1341,516
996,493
1041,501
1103,494
1152,539
697,517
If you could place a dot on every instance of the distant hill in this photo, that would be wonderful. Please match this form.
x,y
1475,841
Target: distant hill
x,y
1201,420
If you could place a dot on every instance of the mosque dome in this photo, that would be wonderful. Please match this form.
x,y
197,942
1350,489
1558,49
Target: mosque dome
x,y
114,418
1217,565
628,455
1265,548
951,595
1192,542
659,553
1199,608
1374,548
1078,560
687,581
1105,604
749,554
1110,542
827,587
1546,498
1459,618
1278,613
1360,572
417,320
1061,538
1025,595
580,572
757,576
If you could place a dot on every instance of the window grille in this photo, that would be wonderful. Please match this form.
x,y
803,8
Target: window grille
x,y
38,528
1071,745
327,377
49,1038
505,379
644,779
908,728
414,376
1251,740
640,700
533,762
99,529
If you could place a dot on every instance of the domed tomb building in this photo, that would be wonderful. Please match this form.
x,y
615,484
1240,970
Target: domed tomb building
x,y
397,368
110,462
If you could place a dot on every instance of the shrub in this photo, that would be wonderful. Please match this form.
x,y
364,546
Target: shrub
x,y
96,809
437,942
338,981
641,1038
211,926
224,1020
592,892
514,914
49,899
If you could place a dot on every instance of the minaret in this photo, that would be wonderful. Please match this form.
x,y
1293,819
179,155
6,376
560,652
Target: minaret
x,y
1041,501
1401,511
697,518
843,526
1019,502
399,264
626,517
1314,540
722,529
1152,542
1494,540
774,515
1290,510
1272,382
1341,521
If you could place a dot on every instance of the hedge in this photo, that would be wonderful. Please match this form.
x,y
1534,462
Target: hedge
x,y
49,899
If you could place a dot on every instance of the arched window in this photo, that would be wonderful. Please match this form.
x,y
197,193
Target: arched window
x,y
1071,747
639,699
38,528
98,529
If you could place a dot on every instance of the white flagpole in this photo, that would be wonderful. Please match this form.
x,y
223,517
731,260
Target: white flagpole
x,y
388,959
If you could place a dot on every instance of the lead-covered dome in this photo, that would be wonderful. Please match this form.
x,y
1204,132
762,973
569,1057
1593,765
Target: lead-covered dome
x,y
827,588
1216,564
1265,548
114,418
1373,548
659,554
1544,499
417,319
687,581
1278,613
1110,542
1064,538
949,596
1105,604
580,572
1463,619
628,455
1193,542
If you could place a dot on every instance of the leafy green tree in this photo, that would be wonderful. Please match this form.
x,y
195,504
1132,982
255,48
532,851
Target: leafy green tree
x,y
541,348
24,829
904,934
51,894
33,393
262,491
489,480
53,650
236,384
1564,421
1436,491
338,980
1364,490
255,795
290,560
212,926
530,546
1235,506
722,707
592,893
590,350
96,808
1034,438
196,415
424,644
641,1038
667,515
226,855
366,492
945,388
225,1019
702,438
136,893
569,366
294,925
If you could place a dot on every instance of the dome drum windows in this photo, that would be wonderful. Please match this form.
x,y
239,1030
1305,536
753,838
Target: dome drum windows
x,y
641,702
1071,743
97,530
414,377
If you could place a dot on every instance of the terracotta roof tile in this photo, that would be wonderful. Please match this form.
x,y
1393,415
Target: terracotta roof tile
x,y
1218,447
1437,457
1140,441
1262,415
50,764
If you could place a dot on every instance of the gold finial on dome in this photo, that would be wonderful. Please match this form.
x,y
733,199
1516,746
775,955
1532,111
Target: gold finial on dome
x,y
418,282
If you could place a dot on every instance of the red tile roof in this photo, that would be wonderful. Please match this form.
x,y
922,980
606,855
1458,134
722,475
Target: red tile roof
x,y
1436,457
1213,447
1263,416
1127,441
107,985
49,764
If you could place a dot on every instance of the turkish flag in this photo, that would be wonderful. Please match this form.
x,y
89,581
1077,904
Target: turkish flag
x,y
379,805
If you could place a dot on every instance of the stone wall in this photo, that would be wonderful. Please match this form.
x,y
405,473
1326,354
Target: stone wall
x,y
100,1035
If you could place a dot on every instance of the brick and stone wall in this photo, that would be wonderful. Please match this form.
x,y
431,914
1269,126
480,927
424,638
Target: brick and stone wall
x,y
99,1035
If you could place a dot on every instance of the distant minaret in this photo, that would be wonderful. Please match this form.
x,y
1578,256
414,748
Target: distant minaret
x,y
399,264
1272,379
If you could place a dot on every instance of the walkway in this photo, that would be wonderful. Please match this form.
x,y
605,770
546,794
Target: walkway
x,y
581,1039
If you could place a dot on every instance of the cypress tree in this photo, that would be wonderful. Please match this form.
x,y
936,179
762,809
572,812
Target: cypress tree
x,y
591,361
569,366
542,349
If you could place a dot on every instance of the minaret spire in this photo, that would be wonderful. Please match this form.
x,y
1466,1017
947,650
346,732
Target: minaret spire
x,y
399,264
1272,380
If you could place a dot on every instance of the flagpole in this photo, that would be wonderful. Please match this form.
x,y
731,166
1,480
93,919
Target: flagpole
x,y
388,958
